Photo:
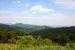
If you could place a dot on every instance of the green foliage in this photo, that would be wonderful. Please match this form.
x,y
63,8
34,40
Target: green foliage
x,y
24,40
47,41
30,41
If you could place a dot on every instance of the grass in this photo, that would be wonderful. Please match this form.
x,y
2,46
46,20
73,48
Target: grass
x,y
8,46
17,47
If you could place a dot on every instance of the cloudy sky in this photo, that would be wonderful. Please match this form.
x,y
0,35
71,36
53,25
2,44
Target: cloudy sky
x,y
38,12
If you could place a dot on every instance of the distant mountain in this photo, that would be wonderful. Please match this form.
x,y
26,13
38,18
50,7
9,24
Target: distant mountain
x,y
5,26
28,27
22,27
9,27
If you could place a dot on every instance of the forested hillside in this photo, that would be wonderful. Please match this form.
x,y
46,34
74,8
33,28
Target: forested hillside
x,y
11,34
58,35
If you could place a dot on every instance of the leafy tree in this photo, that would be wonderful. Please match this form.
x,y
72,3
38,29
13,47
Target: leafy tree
x,y
39,40
47,41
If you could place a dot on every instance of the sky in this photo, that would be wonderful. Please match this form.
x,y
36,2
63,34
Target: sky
x,y
38,12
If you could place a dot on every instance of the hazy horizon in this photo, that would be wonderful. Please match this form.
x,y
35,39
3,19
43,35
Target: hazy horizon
x,y
52,26
38,12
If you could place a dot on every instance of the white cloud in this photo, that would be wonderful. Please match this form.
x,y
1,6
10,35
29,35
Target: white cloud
x,y
69,4
40,8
